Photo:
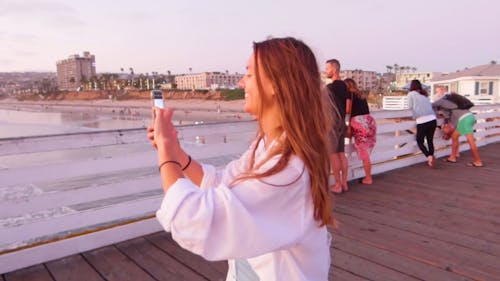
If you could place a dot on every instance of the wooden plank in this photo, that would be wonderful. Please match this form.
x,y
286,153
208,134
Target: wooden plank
x,y
386,114
211,270
441,188
339,274
476,184
426,226
115,266
411,267
78,222
430,193
399,187
33,273
128,185
74,268
446,256
373,195
396,126
158,263
366,268
66,247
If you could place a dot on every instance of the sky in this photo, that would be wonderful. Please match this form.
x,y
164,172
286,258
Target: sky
x,y
217,35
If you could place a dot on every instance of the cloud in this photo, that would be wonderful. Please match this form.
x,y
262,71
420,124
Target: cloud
x,y
23,53
53,13
6,62
23,37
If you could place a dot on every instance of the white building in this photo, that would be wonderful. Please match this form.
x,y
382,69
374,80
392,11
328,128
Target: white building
x,y
480,84
207,80
403,79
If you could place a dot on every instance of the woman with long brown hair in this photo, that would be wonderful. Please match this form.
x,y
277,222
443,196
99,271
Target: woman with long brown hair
x,y
271,206
363,127
421,107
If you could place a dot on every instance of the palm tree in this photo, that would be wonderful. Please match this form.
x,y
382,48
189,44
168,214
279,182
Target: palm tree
x,y
83,82
169,77
389,68
190,69
396,68
132,76
493,62
414,69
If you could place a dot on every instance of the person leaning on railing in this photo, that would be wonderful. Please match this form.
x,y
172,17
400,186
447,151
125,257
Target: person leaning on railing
x,y
425,117
463,121
272,205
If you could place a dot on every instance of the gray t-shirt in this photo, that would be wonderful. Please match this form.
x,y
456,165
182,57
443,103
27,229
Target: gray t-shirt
x,y
450,109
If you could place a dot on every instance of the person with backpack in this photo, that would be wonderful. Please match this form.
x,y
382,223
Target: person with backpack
x,y
456,109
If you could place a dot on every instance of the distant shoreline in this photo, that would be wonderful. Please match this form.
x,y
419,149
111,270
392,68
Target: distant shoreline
x,y
186,109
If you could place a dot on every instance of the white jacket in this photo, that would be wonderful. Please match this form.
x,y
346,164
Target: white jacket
x,y
269,222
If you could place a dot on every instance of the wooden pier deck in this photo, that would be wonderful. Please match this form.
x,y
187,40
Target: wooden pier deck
x,y
413,223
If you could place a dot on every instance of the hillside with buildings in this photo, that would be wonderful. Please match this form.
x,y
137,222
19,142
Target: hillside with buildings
x,y
77,78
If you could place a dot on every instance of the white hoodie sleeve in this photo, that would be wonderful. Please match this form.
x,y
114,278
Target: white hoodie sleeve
x,y
251,218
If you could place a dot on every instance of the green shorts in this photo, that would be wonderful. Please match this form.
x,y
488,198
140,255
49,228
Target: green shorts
x,y
465,125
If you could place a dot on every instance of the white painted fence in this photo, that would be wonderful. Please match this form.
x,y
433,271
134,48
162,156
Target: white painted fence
x,y
65,194
401,102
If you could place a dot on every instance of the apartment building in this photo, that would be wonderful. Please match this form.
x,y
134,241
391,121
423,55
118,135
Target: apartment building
x,y
207,80
74,71
366,80
403,79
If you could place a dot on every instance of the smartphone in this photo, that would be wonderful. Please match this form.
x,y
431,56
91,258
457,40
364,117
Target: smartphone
x,y
157,97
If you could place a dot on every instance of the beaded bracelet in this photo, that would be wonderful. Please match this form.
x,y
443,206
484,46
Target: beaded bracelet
x,y
168,161
188,163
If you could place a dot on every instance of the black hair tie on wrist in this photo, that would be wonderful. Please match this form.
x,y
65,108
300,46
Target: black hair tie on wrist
x,y
188,163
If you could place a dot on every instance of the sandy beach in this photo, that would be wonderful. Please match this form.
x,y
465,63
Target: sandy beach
x,y
35,118
186,109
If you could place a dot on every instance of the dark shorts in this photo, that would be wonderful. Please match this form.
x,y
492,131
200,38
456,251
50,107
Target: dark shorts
x,y
338,142
341,143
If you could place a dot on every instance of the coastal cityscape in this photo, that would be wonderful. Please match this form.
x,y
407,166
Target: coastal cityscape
x,y
78,73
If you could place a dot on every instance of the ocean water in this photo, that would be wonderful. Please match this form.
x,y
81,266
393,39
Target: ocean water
x,y
19,123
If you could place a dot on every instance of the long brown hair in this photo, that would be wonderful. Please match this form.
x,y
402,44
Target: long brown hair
x,y
305,113
415,85
352,87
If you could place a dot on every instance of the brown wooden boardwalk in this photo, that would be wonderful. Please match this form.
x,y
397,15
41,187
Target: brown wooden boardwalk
x,y
414,223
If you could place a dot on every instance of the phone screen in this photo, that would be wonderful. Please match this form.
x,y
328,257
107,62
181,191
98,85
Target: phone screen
x,y
157,97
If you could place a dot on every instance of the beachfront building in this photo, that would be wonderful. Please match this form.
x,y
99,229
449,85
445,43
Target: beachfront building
x,y
208,80
403,79
75,71
366,80
480,83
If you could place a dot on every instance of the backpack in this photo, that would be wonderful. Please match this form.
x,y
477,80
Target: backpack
x,y
461,101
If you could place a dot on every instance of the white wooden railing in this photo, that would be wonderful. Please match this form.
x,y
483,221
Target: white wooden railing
x,y
401,102
64,194
394,102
